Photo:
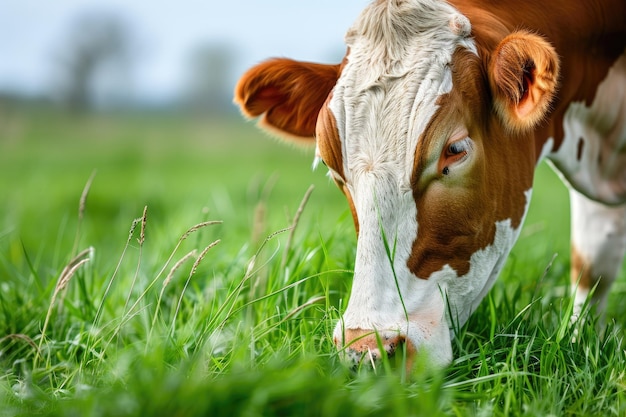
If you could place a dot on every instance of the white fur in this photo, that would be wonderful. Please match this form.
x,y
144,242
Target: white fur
x,y
601,172
599,237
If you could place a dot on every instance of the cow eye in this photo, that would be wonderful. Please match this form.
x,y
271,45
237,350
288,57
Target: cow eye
x,y
459,147
456,152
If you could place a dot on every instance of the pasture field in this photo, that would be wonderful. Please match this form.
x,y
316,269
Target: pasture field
x,y
123,296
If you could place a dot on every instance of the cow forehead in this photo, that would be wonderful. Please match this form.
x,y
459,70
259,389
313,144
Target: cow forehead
x,y
397,67
392,37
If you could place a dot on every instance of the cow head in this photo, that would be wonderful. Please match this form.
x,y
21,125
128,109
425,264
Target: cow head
x,y
430,137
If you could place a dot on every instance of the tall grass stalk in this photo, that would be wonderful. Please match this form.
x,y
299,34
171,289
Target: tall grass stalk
x,y
183,237
82,203
218,319
64,279
294,225
166,282
140,240
131,232
191,273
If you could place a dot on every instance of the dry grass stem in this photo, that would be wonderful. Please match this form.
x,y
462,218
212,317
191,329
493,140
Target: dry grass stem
x,y
166,282
142,233
191,273
64,278
25,338
131,232
201,256
294,224
258,222
140,240
177,265
197,227
71,267
82,203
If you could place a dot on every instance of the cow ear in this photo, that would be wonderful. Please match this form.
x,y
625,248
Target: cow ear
x,y
523,76
288,94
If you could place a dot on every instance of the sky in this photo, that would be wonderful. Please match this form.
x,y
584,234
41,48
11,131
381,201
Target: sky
x,y
34,32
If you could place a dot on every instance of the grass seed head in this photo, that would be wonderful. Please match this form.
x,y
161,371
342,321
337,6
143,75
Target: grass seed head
x,y
197,227
201,256
142,233
177,266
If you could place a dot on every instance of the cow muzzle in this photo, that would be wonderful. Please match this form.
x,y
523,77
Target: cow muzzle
x,y
366,349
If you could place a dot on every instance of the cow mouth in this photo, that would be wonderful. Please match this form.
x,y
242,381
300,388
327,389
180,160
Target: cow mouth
x,y
370,350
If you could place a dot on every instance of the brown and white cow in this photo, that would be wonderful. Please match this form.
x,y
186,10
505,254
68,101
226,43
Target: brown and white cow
x,y
432,127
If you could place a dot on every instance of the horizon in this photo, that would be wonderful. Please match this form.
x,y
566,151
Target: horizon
x,y
165,36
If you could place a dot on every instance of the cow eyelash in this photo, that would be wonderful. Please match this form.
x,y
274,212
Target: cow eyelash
x,y
459,147
456,148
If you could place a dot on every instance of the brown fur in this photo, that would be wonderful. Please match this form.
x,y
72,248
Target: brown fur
x,y
588,36
287,93
329,146
523,76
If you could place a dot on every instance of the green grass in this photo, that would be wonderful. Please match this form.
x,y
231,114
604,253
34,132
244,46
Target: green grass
x,y
243,326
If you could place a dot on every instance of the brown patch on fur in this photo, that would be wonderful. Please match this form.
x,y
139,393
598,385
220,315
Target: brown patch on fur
x,y
330,149
579,270
355,217
457,217
328,140
583,275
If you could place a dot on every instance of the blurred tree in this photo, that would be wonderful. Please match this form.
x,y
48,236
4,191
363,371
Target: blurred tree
x,y
209,84
95,55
